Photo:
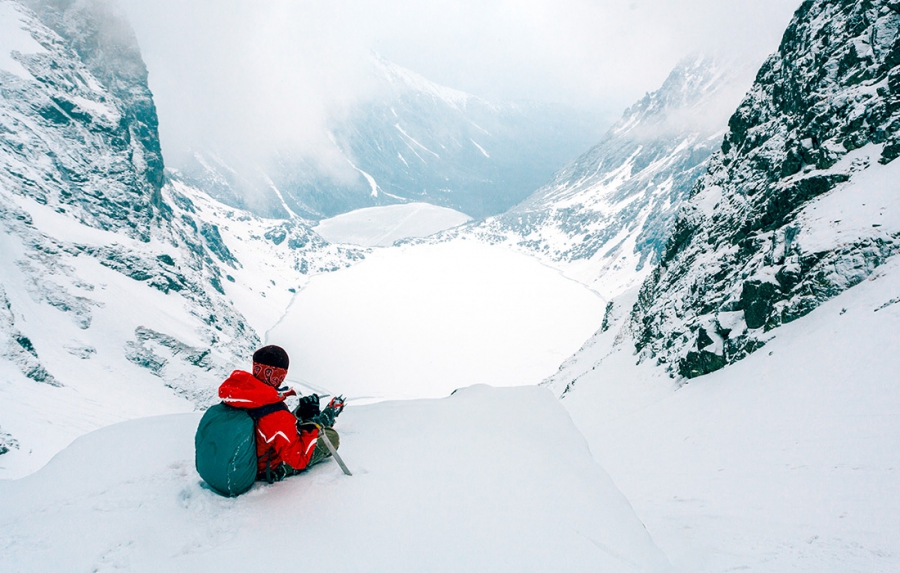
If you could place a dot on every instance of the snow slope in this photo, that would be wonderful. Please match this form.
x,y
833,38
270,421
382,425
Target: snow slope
x,y
268,259
420,321
15,37
784,461
97,327
88,245
382,226
498,493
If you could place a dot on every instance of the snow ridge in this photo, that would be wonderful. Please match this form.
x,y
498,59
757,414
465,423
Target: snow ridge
x,y
445,506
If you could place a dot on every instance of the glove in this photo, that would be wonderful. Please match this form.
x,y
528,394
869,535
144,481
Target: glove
x,y
326,418
308,407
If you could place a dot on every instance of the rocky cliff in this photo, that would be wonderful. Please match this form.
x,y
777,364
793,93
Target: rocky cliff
x,y
79,123
795,207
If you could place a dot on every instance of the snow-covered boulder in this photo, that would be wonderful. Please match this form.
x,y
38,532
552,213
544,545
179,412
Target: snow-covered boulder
x,y
484,480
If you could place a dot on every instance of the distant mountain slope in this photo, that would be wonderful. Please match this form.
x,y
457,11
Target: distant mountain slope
x,y
413,140
605,217
799,204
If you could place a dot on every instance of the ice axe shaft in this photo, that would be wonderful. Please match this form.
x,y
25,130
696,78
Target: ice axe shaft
x,y
324,437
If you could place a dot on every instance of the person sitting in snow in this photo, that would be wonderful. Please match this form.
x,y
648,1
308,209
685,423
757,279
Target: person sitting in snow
x,y
286,442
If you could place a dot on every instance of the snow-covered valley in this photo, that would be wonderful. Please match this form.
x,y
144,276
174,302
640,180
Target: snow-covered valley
x,y
423,320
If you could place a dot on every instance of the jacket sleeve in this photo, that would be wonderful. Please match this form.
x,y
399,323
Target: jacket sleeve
x,y
279,431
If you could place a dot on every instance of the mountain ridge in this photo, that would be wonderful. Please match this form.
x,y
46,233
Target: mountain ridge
x,y
91,238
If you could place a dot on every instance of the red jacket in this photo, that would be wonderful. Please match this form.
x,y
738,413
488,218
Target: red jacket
x,y
277,439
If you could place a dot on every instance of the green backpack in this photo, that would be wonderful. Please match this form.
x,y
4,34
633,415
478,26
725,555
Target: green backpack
x,y
225,446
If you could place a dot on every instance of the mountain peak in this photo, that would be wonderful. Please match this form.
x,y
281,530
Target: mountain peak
x,y
699,94
404,79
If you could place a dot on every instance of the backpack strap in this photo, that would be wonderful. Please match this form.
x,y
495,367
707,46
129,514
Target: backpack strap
x,y
271,474
262,411
268,473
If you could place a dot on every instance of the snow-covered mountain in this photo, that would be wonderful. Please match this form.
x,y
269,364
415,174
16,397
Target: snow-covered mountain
x,y
79,124
799,204
411,141
606,216
783,460
120,295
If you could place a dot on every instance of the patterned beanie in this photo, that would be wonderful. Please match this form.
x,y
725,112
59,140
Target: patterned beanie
x,y
270,365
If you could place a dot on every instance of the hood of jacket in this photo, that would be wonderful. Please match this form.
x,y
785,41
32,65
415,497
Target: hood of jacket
x,y
243,390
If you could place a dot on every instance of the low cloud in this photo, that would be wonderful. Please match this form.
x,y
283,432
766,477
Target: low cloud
x,y
252,77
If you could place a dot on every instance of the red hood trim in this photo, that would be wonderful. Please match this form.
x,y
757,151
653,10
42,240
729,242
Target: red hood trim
x,y
242,390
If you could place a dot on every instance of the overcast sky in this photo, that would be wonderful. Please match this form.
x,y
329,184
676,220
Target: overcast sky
x,y
274,69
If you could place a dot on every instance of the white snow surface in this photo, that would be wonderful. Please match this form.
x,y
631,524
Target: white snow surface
x,y
382,226
784,461
422,320
15,38
99,383
429,493
866,206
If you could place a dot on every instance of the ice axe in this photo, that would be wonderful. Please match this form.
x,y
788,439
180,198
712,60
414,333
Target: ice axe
x,y
324,436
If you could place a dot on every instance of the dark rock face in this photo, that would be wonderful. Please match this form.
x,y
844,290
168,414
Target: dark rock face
x,y
81,133
78,133
740,261
7,443
100,34
18,348
756,301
